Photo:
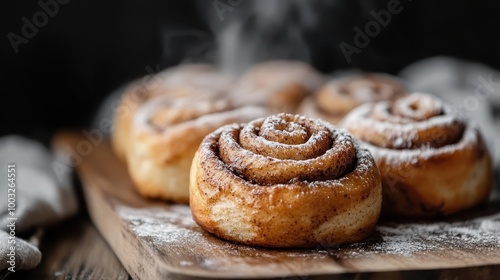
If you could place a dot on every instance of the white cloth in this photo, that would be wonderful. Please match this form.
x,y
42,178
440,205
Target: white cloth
x,y
41,198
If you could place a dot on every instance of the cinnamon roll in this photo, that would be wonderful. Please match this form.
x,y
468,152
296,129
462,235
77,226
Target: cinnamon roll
x,y
185,80
339,96
279,85
285,181
165,135
432,161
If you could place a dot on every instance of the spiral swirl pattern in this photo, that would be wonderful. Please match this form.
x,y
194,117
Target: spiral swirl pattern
x,y
282,181
165,135
285,147
339,96
163,111
183,81
432,161
413,122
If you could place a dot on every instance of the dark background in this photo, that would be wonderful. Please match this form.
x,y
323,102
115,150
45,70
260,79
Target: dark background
x,y
89,48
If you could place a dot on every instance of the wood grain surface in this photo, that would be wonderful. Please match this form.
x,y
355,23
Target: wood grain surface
x,y
74,249
157,240
70,248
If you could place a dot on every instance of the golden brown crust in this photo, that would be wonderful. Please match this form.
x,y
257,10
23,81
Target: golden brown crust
x,y
339,96
243,190
279,85
161,121
182,81
432,162
165,135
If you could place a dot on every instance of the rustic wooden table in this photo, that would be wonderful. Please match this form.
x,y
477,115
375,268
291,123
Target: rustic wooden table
x,y
75,250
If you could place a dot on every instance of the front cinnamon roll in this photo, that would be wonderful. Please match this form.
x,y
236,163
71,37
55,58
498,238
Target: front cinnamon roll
x,y
284,181
432,161
339,96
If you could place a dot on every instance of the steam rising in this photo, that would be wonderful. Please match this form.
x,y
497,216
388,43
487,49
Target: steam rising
x,y
260,30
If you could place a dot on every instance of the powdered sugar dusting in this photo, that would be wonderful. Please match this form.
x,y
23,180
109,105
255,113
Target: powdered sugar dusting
x,y
359,117
166,237
392,156
167,228
476,235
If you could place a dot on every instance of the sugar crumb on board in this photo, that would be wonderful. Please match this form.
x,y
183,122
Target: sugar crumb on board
x,y
480,234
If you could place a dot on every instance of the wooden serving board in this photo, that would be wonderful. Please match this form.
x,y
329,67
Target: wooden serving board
x,y
157,240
